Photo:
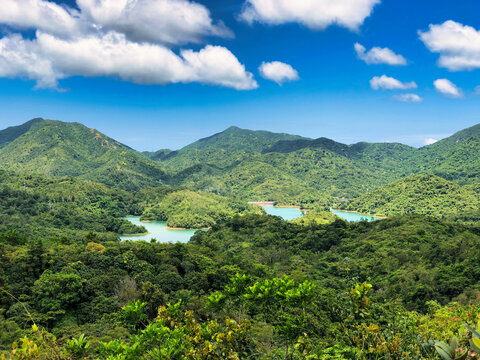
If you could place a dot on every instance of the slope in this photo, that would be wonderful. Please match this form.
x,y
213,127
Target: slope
x,y
70,149
419,194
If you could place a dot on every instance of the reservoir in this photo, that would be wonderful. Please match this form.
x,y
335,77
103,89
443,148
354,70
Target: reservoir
x,y
353,216
158,229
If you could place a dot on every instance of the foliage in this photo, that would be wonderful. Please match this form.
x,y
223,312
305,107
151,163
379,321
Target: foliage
x,y
419,194
71,149
196,209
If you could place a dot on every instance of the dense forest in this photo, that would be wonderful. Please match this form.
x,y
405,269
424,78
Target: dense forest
x,y
192,209
253,286
420,194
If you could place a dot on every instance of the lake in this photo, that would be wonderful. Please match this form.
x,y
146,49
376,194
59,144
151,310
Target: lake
x,y
286,213
158,229
353,217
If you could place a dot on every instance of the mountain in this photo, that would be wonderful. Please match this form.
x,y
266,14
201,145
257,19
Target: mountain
x,y
71,149
13,132
420,194
250,165
224,148
455,158
259,165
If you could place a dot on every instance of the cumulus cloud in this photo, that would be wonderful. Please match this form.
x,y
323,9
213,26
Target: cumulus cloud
x,y
124,39
408,98
161,21
278,72
378,55
457,44
385,82
38,14
315,14
430,141
47,59
446,87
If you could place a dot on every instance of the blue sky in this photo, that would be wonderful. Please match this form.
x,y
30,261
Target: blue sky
x,y
332,96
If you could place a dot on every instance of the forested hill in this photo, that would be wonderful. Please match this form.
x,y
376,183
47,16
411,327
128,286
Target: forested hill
x,y
250,165
11,133
41,207
71,149
421,194
455,158
223,148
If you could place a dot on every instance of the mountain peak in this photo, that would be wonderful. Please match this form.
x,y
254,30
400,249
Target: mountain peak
x,y
11,133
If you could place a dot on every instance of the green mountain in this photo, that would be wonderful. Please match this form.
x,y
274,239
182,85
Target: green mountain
x,y
298,170
224,149
249,165
13,132
455,158
71,149
420,194
258,165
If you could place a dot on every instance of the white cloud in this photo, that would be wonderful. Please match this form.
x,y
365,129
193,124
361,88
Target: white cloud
x,y
430,141
38,14
125,39
377,55
408,98
446,87
316,14
278,72
388,83
159,21
48,59
457,44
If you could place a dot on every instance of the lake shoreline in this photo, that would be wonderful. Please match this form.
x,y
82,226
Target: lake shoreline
x,y
359,213
183,228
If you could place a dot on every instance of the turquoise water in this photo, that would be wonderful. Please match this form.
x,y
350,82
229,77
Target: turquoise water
x,y
284,213
353,217
158,230
294,213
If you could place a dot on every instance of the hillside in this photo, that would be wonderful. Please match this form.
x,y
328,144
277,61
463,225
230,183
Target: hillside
x,y
70,149
42,207
300,170
223,149
11,133
297,171
419,194
194,209
455,158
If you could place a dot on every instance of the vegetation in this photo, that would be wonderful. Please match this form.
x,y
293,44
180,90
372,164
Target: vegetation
x,y
252,287
420,194
42,207
194,209
70,149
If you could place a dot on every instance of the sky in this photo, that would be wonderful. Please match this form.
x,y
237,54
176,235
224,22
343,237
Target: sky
x,y
159,74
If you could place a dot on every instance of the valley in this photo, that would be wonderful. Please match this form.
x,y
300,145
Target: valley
x,y
95,236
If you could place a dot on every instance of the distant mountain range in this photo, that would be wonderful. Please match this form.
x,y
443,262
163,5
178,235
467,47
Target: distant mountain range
x,y
252,165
